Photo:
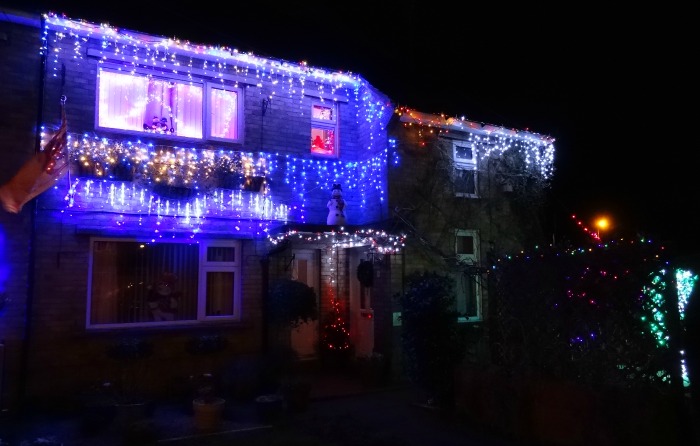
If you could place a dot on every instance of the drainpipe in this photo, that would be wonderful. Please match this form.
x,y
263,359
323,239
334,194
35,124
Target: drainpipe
x,y
24,352
265,277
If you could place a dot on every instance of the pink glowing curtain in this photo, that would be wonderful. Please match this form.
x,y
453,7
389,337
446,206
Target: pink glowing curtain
x,y
40,172
122,101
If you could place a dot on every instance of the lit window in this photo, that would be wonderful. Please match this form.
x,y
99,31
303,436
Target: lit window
x,y
468,281
223,114
464,156
323,129
135,283
143,103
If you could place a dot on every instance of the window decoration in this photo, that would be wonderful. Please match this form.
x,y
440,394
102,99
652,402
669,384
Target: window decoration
x,y
136,283
323,129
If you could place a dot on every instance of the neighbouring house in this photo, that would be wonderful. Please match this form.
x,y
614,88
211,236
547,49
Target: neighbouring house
x,y
196,175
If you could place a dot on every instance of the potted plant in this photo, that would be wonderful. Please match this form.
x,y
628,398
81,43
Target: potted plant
x,y
207,405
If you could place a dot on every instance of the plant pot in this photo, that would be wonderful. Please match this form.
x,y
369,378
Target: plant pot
x,y
208,413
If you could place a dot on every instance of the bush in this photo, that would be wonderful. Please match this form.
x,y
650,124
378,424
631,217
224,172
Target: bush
x,y
432,343
603,316
291,302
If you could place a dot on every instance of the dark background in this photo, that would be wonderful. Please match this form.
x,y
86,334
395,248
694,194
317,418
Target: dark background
x,y
610,85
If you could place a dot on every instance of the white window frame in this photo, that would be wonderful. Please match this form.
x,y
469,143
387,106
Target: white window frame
x,y
473,260
465,164
204,267
324,124
205,84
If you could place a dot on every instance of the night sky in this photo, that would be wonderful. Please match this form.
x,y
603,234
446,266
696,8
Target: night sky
x,y
607,84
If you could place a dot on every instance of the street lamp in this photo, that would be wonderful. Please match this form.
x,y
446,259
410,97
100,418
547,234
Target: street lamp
x,y
602,224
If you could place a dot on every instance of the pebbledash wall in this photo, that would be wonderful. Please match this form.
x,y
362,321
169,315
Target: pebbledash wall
x,y
51,354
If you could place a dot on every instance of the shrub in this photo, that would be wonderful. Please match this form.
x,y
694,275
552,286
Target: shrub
x,y
432,343
291,302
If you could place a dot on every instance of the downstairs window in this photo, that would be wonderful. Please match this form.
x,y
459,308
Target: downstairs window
x,y
137,283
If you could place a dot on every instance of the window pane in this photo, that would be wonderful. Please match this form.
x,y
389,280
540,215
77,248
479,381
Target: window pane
x,y
223,113
463,153
322,113
221,254
123,99
465,181
187,102
220,293
142,103
467,296
465,244
323,141
135,282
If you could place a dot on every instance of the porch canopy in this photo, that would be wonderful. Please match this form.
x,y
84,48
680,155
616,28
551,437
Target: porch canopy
x,y
378,240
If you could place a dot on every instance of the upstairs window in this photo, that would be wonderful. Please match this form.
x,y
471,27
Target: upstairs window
x,y
465,174
135,284
223,113
324,129
138,102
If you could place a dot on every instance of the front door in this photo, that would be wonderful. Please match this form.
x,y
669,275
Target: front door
x,y
305,338
361,312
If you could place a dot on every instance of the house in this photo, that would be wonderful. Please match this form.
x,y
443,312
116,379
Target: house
x,y
193,176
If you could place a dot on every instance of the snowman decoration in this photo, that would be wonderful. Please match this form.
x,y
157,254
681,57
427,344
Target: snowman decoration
x,y
336,207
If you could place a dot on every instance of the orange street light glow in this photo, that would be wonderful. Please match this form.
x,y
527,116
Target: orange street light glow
x,y
602,223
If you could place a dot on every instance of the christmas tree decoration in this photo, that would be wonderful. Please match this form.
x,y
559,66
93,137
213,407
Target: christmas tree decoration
x,y
335,337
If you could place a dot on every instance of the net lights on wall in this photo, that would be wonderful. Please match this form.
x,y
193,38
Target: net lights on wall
x,y
126,176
